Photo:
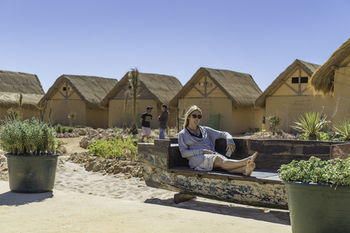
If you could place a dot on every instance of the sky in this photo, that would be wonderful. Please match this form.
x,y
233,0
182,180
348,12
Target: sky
x,y
174,37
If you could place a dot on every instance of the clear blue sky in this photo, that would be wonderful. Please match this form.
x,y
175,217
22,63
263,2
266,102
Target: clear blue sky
x,y
108,38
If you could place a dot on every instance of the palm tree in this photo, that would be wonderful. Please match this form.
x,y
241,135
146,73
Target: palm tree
x,y
134,82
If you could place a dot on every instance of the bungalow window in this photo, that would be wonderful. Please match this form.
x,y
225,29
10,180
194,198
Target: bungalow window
x,y
205,84
66,88
302,80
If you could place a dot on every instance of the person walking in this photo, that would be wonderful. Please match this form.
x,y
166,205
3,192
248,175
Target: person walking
x,y
163,121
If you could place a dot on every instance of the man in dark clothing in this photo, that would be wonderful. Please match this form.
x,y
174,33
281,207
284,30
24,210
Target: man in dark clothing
x,y
163,120
146,123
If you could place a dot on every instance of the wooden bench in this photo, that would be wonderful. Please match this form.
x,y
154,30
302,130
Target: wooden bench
x,y
165,168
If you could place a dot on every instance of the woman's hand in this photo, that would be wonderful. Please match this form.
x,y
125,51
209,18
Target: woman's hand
x,y
208,152
231,148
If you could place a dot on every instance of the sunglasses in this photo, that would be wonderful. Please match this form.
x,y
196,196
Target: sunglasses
x,y
195,116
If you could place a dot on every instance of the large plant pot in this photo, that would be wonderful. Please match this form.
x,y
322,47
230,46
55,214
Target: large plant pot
x,y
316,208
30,173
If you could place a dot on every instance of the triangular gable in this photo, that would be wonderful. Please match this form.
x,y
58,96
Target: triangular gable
x,y
90,88
283,84
142,93
204,87
153,86
224,81
65,91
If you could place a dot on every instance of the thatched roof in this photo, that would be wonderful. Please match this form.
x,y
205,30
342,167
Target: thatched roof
x,y
322,79
308,67
91,89
12,84
162,87
11,99
240,87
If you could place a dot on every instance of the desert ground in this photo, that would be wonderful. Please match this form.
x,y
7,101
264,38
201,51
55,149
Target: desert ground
x,y
86,201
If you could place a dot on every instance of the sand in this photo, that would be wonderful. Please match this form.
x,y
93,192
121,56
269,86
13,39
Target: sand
x,y
91,202
73,177
65,211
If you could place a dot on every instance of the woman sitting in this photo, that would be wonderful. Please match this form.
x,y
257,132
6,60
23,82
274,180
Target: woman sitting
x,y
197,143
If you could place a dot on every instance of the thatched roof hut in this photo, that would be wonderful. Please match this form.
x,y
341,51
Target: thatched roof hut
x,y
307,67
226,97
91,89
239,87
162,87
15,83
76,100
153,90
291,95
323,78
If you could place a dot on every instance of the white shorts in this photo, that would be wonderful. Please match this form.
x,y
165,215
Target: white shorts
x,y
146,131
208,162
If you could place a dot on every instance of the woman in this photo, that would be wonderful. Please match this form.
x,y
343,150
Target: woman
x,y
197,143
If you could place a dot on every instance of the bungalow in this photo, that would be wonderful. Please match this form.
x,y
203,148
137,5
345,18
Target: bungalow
x,y
75,100
226,97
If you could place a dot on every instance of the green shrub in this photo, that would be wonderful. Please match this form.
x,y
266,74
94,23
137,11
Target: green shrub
x,y
274,122
343,130
328,136
63,129
58,128
311,124
333,172
121,147
28,137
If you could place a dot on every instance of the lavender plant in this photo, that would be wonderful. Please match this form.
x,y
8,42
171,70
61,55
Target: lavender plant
x,y
29,137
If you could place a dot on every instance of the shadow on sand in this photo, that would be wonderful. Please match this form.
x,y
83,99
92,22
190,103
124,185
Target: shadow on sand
x,y
13,199
231,209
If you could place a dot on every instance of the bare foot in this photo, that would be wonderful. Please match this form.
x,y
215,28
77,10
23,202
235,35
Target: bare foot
x,y
249,168
253,156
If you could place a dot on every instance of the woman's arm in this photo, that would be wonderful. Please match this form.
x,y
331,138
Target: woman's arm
x,y
215,134
185,152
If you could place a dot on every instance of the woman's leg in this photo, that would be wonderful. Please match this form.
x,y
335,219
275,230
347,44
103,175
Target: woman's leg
x,y
244,166
247,170
229,164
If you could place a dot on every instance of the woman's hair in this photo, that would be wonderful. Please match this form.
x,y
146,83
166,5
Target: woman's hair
x,y
188,113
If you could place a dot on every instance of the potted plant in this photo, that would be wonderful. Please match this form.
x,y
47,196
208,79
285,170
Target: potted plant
x,y
318,195
31,155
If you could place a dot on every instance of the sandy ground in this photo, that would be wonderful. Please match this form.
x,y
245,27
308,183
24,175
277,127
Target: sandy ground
x,y
64,211
72,144
91,202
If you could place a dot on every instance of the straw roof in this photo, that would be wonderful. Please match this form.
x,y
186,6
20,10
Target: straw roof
x,y
11,99
240,87
15,83
308,67
322,79
162,87
91,89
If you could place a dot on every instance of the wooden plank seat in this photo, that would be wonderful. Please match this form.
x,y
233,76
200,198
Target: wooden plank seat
x,y
263,175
